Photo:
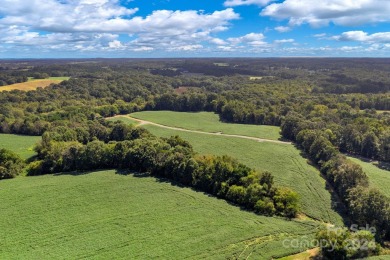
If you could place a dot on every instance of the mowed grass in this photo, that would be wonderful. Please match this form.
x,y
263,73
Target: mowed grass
x,y
33,84
379,178
103,215
207,122
282,160
123,119
20,144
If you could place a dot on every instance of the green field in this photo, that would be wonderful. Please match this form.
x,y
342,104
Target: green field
x,y
379,178
207,122
20,144
283,161
50,78
123,119
103,215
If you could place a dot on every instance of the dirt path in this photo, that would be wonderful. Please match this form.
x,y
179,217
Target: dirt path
x,y
144,122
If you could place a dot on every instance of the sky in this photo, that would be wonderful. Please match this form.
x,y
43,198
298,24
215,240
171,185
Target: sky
x,y
194,28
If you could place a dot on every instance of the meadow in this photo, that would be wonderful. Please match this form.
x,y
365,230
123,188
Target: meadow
x,y
379,178
33,84
207,122
124,119
104,215
284,161
20,144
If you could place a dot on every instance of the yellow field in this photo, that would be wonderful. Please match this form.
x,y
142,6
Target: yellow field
x,y
32,85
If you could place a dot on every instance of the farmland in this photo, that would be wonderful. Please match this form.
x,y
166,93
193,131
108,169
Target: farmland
x,y
124,119
20,144
379,178
33,84
107,215
283,160
207,122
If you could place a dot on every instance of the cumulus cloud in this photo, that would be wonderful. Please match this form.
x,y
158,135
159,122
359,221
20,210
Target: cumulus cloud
x,y
360,36
247,2
283,29
321,13
76,23
284,41
253,39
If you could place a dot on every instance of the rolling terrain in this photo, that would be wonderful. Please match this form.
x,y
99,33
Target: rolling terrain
x,y
20,144
379,178
33,84
106,215
283,160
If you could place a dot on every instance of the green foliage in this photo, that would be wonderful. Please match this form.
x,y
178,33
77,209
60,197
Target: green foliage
x,y
285,163
341,243
165,157
10,164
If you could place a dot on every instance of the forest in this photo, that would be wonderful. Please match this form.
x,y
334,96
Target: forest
x,y
329,108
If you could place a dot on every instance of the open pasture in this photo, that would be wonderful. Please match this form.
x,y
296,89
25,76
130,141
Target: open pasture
x,y
20,144
379,178
103,215
33,84
207,122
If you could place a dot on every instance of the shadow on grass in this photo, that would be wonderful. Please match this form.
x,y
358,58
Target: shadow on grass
x,y
75,173
380,164
336,202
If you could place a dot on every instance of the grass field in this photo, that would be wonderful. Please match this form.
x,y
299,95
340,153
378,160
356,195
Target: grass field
x,y
379,178
33,84
207,122
283,160
103,215
20,144
123,119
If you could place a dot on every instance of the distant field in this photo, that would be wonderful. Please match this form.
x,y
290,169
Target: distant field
x,y
222,64
103,215
123,119
284,161
33,84
379,178
20,144
207,122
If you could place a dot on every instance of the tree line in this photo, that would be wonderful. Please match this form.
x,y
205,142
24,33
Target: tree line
x,y
131,148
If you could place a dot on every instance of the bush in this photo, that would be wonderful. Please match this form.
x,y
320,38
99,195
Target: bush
x,y
265,207
10,164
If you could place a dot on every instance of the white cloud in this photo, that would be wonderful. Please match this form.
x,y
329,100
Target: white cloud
x,y
320,35
283,29
69,16
247,2
360,36
284,41
115,45
186,47
76,24
254,39
321,13
142,49
217,41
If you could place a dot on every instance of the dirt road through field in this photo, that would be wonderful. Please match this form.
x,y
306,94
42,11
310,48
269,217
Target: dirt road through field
x,y
144,122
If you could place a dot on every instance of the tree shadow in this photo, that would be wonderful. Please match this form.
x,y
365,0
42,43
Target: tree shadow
x,y
380,164
76,173
127,172
383,165
336,202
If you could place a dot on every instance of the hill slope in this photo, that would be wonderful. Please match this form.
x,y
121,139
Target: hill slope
x,y
107,215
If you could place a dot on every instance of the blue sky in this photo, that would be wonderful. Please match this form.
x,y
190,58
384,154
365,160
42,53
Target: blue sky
x,y
196,28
